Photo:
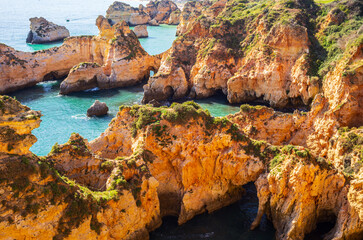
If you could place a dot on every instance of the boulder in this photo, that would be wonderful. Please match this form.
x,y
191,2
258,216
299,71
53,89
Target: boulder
x,y
97,109
43,31
141,31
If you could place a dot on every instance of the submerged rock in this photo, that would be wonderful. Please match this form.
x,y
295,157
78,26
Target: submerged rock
x,y
97,109
141,31
43,31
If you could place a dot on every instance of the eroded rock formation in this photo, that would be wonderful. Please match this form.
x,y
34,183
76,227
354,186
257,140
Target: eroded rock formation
x,y
43,31
120,11
271,54
114,58
155,12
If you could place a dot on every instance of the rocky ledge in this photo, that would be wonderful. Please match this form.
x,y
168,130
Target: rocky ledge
x,y
43,31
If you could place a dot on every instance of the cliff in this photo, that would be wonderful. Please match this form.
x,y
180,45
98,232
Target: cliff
x,y
115,49
155,12
180,161
267,51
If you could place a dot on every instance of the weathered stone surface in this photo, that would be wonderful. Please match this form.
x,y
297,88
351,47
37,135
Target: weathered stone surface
x,y
97,109
141,31
43,31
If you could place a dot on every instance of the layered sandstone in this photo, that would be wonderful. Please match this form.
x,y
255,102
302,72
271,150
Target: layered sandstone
x,y
124,62
43,31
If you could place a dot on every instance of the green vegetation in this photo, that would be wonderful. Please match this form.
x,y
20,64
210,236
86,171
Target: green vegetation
x,y
55,148
324,1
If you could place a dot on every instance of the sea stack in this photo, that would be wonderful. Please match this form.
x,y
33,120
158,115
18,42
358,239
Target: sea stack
x,y
141,31
97,109
43,31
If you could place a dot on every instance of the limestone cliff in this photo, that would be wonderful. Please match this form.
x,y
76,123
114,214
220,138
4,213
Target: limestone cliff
x,y
268,51
120,11
155,12
180,161
71,193
124,62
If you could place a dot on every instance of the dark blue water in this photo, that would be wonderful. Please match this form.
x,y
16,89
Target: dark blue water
x,y
229,223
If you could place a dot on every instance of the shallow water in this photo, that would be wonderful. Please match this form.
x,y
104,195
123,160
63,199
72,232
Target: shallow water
x,y
63,115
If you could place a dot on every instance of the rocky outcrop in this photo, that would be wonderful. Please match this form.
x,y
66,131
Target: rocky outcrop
x,y
161,10
43,31
16,123
97,109
124,62
155,12
120,11
141,31
199,162
267,55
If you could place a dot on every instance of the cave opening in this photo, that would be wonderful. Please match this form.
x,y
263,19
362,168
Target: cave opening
x,y
230,222
51,76
324,225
